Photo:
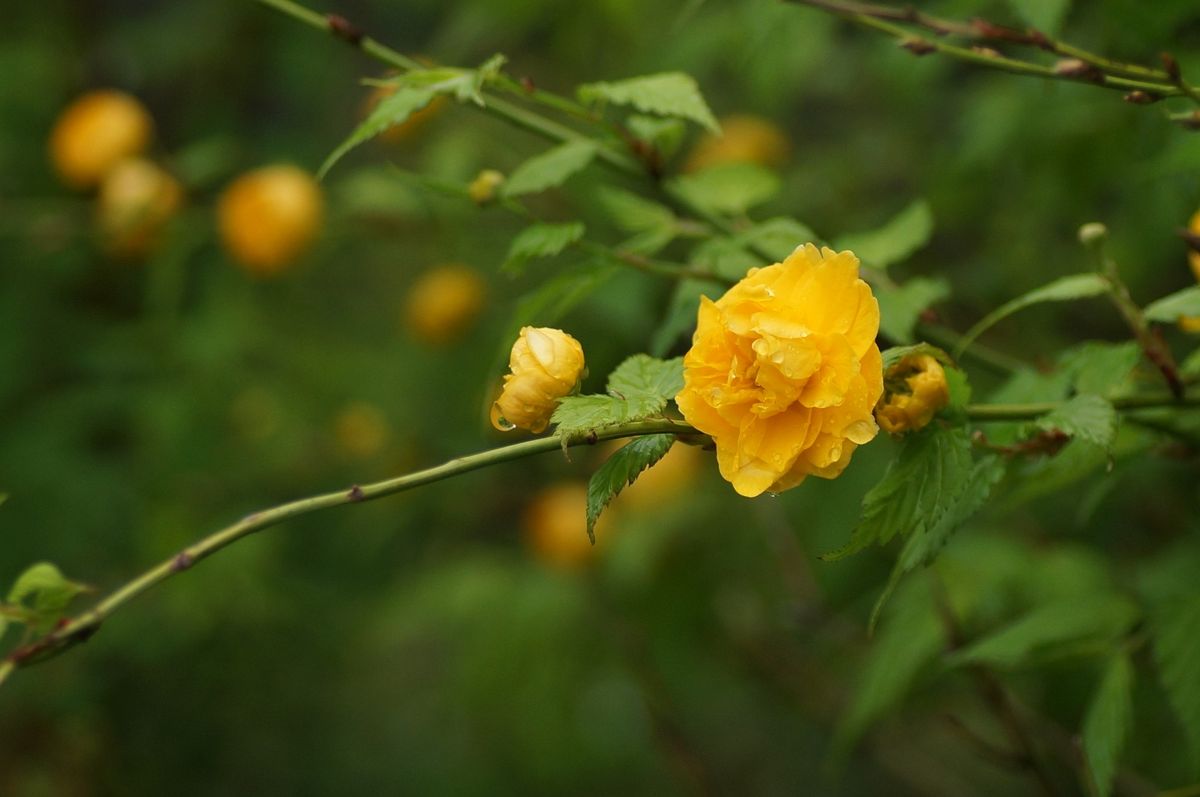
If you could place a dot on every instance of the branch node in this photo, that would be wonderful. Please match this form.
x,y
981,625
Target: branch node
x,y
345,30
355,493
1078,70
1139,97
182,561
917,46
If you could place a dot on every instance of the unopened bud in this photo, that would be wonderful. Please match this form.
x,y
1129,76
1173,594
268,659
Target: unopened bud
x,y
545,365
917,46
482,189
915,390
1092,233
1139,97
1078,70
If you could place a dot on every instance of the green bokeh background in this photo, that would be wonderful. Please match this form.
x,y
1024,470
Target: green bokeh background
x,y
414,645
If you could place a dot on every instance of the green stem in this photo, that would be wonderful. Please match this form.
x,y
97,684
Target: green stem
x,y
79,628
1027,412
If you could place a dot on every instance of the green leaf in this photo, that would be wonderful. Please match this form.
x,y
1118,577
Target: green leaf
x,y
639,387
1175,631
902,235
1045,15
665,135
1065,289
1191,364
1085,417
1052,629
540,240
729,188
1106,724
918,488
900,306
392,110
551,168
894,354
725,257
909,641
575,416
665,94
50,592
1101,368
778,237
1171,308
622,469
643,375
634,213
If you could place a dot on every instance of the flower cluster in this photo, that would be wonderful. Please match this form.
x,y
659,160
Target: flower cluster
x,y
545,364
784,371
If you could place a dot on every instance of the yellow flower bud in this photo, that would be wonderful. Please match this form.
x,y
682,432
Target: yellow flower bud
x,y
545,365
1193,255
443,302
136,200
96,132
482,189
916,390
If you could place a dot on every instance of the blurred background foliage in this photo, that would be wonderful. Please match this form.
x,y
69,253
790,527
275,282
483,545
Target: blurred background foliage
x,y
458,640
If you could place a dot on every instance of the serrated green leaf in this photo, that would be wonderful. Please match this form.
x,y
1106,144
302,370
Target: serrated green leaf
x,y
620,470
1171,308
1100,368
1086,417
778,237
1107,722
728,188
540,240
549,169
643,375
902,235
392,110
949,514
665,94
910,640
1051,629
1065,289
894,354
43,588
900,306
575,416
1045,15
933,467
1175,631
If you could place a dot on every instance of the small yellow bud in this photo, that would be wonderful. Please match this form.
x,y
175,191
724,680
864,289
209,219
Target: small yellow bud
x,y
96,132
482,189
545,365
1193,255
136,200
922,392
1092,233
443,302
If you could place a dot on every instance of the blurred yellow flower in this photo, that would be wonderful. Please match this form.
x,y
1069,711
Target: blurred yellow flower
x,y
268,217
784,371
483,188
546,364
361,430
95,133
917,389
136,201
1193,255
744,139
554,526
443,302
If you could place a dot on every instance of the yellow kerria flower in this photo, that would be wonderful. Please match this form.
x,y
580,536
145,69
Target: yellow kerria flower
x,y
784,371
924,391
545,365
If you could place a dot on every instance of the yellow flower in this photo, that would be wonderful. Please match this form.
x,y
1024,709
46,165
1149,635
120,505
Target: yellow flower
x,y
443,302
545,365
784,371
923,391
268,217
96,132
554,527
743,139
137,199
